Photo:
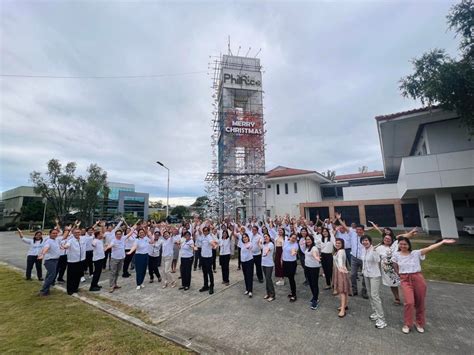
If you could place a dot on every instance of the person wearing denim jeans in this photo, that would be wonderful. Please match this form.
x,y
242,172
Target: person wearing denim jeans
x,y
50,254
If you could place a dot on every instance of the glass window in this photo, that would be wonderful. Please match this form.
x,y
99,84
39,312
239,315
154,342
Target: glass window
x,y
286,189
295,185
269,186
278,189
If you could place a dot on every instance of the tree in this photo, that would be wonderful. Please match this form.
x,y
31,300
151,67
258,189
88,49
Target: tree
x,y
64,190
156,204
58,186
89,190
157,216
33,211
330,174
180,211
441,80
363,169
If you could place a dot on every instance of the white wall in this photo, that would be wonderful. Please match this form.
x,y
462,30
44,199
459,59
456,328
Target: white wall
x,y
370,192
308,191
448,136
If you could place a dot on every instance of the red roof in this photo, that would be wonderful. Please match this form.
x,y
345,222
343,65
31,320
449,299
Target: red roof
x,y
404,113
281,171
369,174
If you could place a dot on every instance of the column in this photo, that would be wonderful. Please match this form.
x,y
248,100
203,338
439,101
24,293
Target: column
x,y
447,220
398,214
362,217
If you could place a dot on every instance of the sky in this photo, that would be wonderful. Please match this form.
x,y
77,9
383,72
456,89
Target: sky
x,y
329,68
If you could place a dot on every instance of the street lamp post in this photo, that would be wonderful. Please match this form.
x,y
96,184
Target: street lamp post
x,y
45,201
168,189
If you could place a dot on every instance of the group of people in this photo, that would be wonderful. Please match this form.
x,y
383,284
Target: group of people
x,y
274,246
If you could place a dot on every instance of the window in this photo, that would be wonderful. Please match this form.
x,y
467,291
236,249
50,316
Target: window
x,y
350,214
269,186
286,189
278,189
411,215
295,185
383,215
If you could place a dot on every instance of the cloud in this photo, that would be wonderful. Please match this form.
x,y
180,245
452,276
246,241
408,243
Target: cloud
x,y
329,69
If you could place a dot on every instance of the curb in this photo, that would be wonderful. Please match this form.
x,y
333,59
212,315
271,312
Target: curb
x,y
198,348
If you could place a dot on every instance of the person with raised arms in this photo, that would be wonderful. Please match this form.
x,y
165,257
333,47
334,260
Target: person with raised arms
x,y
407,264
154,254
290,251
225,250
36,244
187,252
267,265
50,254
140,248
76,255
246,258
109,235
208,243
312,265
98,258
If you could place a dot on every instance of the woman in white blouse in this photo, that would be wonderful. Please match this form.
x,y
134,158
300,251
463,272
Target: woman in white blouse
x,y
267,266
225,245
140,248
246,258
36,244
327,248
187,250
290,250
340,279
407,265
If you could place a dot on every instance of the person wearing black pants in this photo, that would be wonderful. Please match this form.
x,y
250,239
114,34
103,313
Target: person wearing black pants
x,y
98,258
128,258
96,275
238,259
207,244
154,257
62,266
36,244
214,257
76,254
257,241
197,258
187,250
246,256
224,255
311,269
290,250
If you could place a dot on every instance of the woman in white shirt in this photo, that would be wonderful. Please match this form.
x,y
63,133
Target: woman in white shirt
x,y
373,278
408,266
187,251
340,278
327,249
167,257
98,258
311,269
290,250
279,240
154,253
140,248
390,278
36,244
246,261
76,254
225,244
267,266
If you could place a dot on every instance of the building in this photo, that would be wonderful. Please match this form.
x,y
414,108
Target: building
x,y
122,199
427,181
237,185
13,200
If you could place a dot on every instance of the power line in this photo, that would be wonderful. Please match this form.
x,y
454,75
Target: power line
x,y
100,77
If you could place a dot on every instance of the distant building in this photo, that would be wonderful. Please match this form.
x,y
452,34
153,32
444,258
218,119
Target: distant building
x,y
122,199
428,179
13,200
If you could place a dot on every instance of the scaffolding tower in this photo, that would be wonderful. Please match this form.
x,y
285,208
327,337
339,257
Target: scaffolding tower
x,y
236,184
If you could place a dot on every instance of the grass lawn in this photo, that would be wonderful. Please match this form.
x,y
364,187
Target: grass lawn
x,y
62,324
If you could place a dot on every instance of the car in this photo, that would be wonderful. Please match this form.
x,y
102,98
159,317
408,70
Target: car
x,y
469,229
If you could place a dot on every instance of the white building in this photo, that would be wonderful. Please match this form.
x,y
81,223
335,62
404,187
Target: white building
x,y
428,179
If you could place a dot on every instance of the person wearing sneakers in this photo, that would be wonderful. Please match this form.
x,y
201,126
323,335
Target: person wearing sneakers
x,y
36,244
117,247
267,266
407,264
373,278
76,255
98,258
154,254
140,248
207,245
246,259
311,268
50,254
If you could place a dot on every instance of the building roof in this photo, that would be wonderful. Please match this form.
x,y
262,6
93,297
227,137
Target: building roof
x,y
369,174
405,113
281,171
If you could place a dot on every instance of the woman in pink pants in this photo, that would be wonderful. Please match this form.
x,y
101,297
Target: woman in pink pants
x,y
407,264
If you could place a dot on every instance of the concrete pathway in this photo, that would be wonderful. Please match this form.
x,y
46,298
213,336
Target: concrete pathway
x,y
229,322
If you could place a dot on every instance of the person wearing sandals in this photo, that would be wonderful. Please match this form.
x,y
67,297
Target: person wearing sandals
x,y
246,261
290,251
267,266
386,249
279,240
311,268
373,277
340,276
167,253
407,264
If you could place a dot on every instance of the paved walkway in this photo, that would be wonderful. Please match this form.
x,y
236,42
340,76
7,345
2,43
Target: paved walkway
x,y
229,322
